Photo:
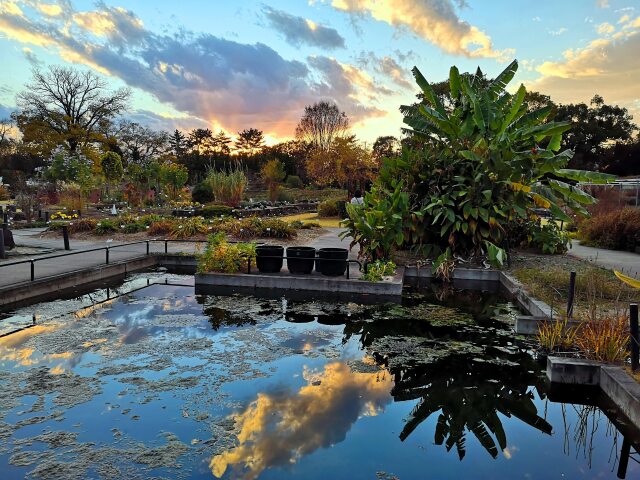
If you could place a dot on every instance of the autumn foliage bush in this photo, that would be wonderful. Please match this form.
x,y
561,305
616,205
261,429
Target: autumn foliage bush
x,y
615,230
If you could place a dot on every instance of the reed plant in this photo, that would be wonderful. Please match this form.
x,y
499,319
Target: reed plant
x,y
227,185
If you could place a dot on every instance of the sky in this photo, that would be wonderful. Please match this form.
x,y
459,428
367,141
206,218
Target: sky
x,y
232,65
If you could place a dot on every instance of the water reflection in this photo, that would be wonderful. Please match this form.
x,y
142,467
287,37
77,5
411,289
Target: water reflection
x,y
277,429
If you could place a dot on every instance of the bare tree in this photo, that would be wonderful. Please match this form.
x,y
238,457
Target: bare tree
x,y
140,144
70,103
321,124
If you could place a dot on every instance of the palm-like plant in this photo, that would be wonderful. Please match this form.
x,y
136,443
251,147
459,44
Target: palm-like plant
x,y
483,161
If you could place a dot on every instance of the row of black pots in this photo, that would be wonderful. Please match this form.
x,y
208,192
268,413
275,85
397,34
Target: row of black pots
x,y
329,261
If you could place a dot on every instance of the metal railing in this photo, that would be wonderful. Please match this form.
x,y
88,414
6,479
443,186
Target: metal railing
x,y
106,249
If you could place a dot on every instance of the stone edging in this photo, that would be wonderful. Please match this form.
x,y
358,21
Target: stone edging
x,y
615,383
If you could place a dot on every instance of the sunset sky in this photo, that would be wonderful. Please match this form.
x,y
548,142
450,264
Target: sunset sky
x,y
239,64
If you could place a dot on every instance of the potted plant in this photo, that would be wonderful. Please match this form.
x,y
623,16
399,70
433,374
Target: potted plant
x,y
269,258
300,259
332,261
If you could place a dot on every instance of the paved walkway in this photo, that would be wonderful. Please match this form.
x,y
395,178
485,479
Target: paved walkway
x,y
12,271
627,262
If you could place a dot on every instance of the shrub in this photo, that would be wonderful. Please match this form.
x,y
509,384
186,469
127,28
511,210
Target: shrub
x,y
548,238
294,181
328,208
202,193
213,211
617,230
4,193
222,256
83,225
254,227
188,228
106,226
161,227
283,195
147,220
133,227
19,217
555,335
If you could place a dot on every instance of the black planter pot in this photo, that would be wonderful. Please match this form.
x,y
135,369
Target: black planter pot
x,y
269,258
300,259
328,262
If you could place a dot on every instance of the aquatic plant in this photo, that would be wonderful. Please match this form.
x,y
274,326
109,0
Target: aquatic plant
x,y
605,340
555,335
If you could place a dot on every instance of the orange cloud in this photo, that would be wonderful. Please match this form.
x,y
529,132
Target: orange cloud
x,y
435,21
277,430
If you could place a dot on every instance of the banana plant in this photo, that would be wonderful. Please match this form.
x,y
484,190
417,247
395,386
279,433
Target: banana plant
x,y
486,161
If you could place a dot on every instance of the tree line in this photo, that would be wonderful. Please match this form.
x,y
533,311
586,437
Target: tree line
x,y
69,122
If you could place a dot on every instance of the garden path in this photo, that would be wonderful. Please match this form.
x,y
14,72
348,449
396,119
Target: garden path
x,y
627,262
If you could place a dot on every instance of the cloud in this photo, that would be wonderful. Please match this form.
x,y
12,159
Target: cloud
x,y
605,28
434,20
558,32
167,123
31,57
607,66
602,3
277,430
388,67
298,30
223,82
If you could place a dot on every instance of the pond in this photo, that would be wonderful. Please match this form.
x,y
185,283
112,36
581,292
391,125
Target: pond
x,y
159,382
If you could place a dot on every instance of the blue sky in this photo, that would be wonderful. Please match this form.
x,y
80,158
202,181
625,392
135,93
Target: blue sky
x,y
235,65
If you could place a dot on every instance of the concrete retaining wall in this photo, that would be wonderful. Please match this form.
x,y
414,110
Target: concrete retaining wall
x,y
312,282
614,382
48,286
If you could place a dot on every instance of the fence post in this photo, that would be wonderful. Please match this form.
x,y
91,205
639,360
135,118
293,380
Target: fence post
x,y
147,247
106,249
166,246
46,217
65,237
572,291
3,254
33,270
635,338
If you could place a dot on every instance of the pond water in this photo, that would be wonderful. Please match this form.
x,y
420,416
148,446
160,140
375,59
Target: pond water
x,y
162,383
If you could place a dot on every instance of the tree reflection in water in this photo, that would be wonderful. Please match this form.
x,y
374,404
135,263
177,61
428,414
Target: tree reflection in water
x,y
467,373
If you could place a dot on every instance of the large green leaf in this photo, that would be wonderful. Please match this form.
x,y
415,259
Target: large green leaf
x,y
429,94
516,103
571,192
585,176
454,82
500,82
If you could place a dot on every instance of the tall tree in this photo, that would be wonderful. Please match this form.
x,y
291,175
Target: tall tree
x,y
321,124
596,127
200,141
69,105
178,143
385,147
250,141
221,143
140,144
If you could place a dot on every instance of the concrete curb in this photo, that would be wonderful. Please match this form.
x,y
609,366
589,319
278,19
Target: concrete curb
x,y
614,382
311,282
